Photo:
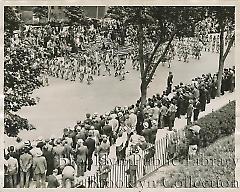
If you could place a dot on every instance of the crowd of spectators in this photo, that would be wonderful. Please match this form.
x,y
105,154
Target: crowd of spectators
x,y
130,129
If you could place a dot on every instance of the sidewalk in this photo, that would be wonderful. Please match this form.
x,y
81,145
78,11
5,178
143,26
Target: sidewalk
x,y
214,105
159,174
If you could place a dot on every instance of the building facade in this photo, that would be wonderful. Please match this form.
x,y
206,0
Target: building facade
x,y
56,13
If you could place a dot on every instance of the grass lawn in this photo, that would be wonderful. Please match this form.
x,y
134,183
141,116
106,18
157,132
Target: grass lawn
x,y
213,167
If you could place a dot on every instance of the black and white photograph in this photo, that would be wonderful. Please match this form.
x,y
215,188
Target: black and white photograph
x,y
119,97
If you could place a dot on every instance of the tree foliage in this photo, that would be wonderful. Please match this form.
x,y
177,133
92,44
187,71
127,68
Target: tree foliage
x,y
40,11
75,14
21,77
11,21
160,25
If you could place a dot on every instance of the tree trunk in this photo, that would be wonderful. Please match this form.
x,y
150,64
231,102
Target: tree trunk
x,y
143,87
143,93
221,60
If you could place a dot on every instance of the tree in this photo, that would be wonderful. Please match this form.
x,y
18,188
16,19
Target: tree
x,y
75,14
162,25
225,20
11,21
41,11
21,78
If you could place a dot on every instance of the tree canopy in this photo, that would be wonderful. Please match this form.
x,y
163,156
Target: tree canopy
x,y
21,76
41,11
160,25
75,14
11,21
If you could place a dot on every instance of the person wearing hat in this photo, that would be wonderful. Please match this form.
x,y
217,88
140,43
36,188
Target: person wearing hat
x,y
147,133
189,112
58,152
48,154
104,148
169,82
172,114
19,145
81,157
90,143
52,180
39,169
133,119
115,125
25,163
96,134
139,125
120,147
27,144
67,149
40,142
81,133
88,119
202,97
104,169
133,160
162,116
107,130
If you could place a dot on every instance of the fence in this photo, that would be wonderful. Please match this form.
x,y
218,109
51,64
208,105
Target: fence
x,y
150,159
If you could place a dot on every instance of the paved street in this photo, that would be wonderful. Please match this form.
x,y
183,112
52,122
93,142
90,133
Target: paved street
x,y
64,102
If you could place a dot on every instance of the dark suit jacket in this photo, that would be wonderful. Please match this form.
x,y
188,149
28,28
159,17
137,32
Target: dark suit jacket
x,y
90,143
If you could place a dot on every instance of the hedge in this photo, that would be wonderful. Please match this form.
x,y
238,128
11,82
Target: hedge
x,y
217,124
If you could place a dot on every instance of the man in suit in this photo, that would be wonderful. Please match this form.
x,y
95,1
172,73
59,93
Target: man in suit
x,y
189,112
40,169
90,143
169,82
81,157
25,162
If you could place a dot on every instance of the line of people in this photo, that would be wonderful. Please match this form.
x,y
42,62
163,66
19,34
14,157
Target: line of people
x,y
124,128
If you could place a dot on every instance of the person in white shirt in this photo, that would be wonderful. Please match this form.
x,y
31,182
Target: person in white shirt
x,y
114,123
12,169
133,119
